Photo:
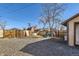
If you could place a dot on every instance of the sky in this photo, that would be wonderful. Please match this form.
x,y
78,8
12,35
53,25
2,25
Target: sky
x,y
20,14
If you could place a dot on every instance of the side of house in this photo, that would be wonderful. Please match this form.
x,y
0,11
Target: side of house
x,y
72,30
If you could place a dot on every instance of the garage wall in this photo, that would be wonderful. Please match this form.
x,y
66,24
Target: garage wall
x,y
71,30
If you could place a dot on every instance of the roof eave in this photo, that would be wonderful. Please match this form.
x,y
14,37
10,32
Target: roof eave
x,y
66,21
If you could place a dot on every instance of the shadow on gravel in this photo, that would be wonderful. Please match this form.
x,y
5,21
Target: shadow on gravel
x,y
50,48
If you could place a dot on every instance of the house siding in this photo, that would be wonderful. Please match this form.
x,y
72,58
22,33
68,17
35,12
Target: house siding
x,y
71,31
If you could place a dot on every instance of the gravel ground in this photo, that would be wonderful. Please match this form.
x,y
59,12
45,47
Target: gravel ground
x,y
36,47
11,47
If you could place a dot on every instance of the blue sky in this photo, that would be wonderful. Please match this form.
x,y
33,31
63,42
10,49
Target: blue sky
x,y
19,15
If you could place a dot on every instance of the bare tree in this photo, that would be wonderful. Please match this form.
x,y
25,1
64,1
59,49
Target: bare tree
x,y
43,21
51,13
29,24
3,25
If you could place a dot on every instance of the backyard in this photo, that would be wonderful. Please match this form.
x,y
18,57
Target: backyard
x,y
36,47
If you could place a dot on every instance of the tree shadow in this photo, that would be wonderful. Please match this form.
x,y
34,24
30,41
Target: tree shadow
x,y
46,48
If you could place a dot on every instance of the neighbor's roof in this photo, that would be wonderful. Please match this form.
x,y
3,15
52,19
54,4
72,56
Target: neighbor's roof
x,y
71,18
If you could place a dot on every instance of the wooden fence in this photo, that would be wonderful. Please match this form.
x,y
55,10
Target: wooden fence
x,y
14,33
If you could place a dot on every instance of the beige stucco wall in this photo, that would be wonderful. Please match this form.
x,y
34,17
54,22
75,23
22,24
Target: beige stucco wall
x,y
71,31
1,33
27,32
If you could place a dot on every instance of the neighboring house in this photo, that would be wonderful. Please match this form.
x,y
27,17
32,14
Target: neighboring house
x,y
30,31
72,30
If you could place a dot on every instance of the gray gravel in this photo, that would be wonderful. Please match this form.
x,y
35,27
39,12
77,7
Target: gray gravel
x,y
36,47
12,47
